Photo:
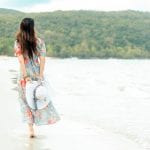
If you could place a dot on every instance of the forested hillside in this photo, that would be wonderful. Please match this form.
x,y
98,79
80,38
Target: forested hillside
x,y
84,34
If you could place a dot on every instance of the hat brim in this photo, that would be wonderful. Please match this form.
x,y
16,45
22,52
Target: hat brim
x,y
30,86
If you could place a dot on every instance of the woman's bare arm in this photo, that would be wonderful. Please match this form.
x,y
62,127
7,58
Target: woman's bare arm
x,y
42,65
23,68
22,65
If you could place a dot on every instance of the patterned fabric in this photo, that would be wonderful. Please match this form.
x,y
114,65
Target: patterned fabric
x,y
47,115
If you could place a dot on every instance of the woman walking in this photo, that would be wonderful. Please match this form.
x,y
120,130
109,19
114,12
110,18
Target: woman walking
x,y
31,53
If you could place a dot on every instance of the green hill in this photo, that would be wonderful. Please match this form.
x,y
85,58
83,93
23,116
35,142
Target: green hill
x,y
84,34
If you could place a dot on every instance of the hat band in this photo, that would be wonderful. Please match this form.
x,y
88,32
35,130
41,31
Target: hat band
x,y
35,98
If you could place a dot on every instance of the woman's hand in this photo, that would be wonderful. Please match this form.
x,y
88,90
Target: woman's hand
x,y
40,77
27,79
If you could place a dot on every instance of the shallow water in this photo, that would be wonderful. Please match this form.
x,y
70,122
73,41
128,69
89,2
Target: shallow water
x,y
110,94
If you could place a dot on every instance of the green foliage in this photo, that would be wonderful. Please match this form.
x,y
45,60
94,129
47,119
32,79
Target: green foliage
x,y
83,34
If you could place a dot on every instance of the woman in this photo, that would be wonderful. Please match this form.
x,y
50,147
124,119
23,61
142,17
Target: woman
x,y
31,53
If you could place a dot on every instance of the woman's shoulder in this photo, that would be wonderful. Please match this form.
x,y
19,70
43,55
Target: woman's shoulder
x,y
17,45
16,42
39,40
17,48
41,48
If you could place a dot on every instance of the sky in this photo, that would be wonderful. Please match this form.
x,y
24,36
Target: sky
x,y
52,5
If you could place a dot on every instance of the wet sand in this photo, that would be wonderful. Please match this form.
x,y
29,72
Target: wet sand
x,y
67,134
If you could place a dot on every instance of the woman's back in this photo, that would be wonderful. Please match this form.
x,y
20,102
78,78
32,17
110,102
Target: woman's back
x,y
32,65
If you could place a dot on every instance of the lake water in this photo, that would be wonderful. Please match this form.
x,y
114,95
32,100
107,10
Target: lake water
x,y
112,94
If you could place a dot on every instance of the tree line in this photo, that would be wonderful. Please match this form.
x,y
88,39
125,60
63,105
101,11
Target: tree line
x,y
83,34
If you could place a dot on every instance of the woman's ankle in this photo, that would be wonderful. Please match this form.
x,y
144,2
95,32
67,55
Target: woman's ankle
x,y
31,131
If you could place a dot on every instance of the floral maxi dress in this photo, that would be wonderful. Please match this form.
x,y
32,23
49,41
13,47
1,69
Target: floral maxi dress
x,y
47,115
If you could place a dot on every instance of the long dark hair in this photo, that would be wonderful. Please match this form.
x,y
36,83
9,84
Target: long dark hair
x,y
26,37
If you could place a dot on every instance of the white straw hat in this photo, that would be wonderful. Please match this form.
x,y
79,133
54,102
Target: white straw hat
x,y
37,94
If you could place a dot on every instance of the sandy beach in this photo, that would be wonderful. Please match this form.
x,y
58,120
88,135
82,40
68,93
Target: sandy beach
x,y
67,134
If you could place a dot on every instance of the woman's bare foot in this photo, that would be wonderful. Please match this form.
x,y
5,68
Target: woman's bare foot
x,y
31,131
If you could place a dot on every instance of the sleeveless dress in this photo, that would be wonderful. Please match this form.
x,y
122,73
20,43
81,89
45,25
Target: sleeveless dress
x,y
47,115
